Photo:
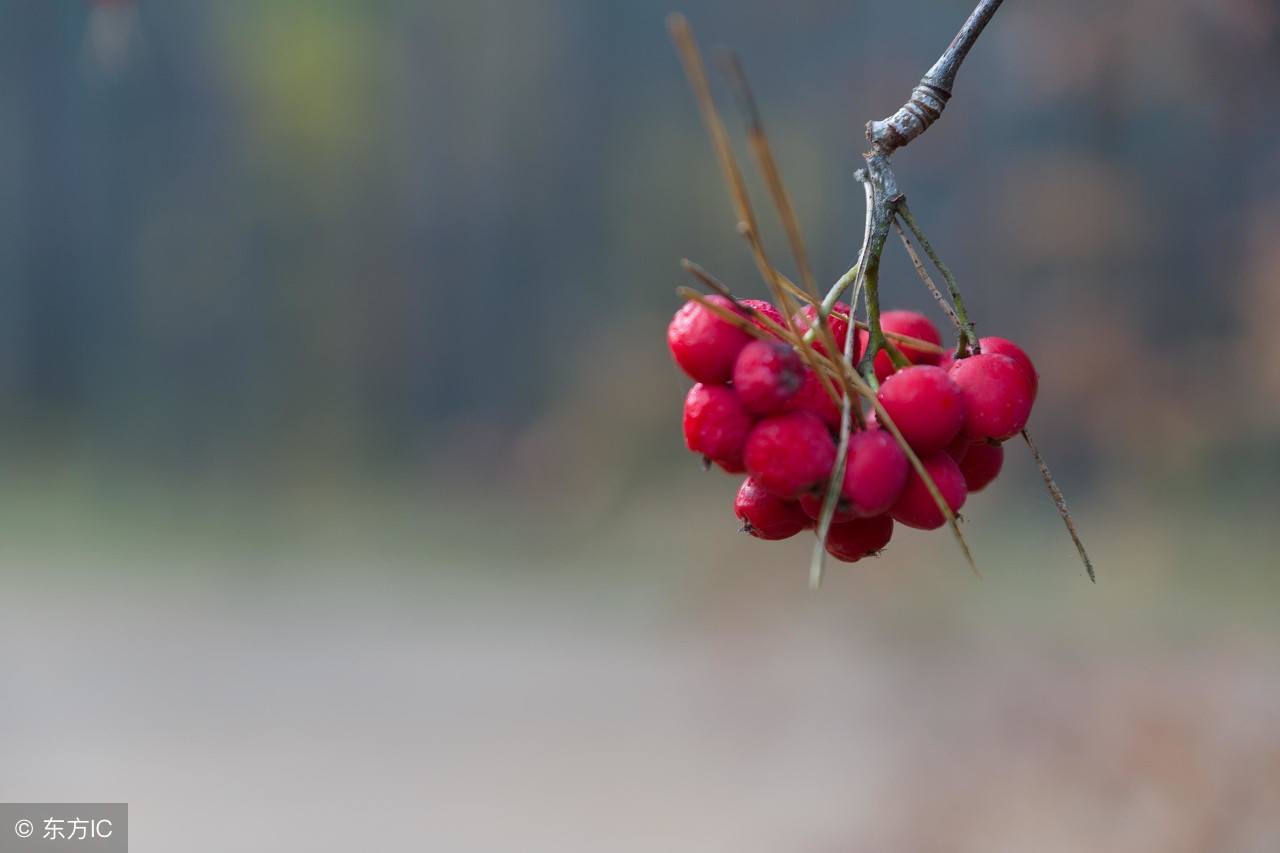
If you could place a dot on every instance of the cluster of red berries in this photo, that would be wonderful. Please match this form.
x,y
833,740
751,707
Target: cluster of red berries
x,y
758,409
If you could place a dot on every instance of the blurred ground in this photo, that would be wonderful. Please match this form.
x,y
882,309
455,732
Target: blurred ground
x,y
656,683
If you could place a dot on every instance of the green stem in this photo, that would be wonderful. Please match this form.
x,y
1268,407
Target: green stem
x,y
830,300
833,296
871,284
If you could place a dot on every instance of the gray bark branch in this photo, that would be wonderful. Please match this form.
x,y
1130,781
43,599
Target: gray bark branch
x,y
930,96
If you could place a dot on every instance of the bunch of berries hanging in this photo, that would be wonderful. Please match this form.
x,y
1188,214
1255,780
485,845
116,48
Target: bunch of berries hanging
x,y
758,409
780,393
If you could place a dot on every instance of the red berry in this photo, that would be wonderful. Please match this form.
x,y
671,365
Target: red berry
x,y
911,324
704,345
812,397
958,447
997,396
875,471
981,464
1000,346
789,453
916,507
927,407
860,538
733,465
716,425
766,375
765,515
806,317
811,503
766,308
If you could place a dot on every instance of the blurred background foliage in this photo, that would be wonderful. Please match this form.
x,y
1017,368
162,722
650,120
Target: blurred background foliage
x,y
332,359
268,242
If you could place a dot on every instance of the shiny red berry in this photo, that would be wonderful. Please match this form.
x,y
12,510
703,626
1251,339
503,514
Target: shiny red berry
x,y
789,453
997,396
927,407
914,325
981,464
875,472
916,507
766,375
703,344
765,515
716,425
1000,346
863,537
768,309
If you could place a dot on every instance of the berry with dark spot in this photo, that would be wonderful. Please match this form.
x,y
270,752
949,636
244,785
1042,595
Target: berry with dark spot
x,y
813,397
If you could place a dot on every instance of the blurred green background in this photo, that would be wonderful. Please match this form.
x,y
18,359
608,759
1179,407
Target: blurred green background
x,y
345,503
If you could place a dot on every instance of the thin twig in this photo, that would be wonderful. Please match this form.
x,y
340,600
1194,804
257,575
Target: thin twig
x,y
967,335
841,285
1061,503
706,278
928,282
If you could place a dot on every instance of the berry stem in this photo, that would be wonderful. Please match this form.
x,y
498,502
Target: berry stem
x,y
924,275
873,245
1061,503
833,296
968,339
